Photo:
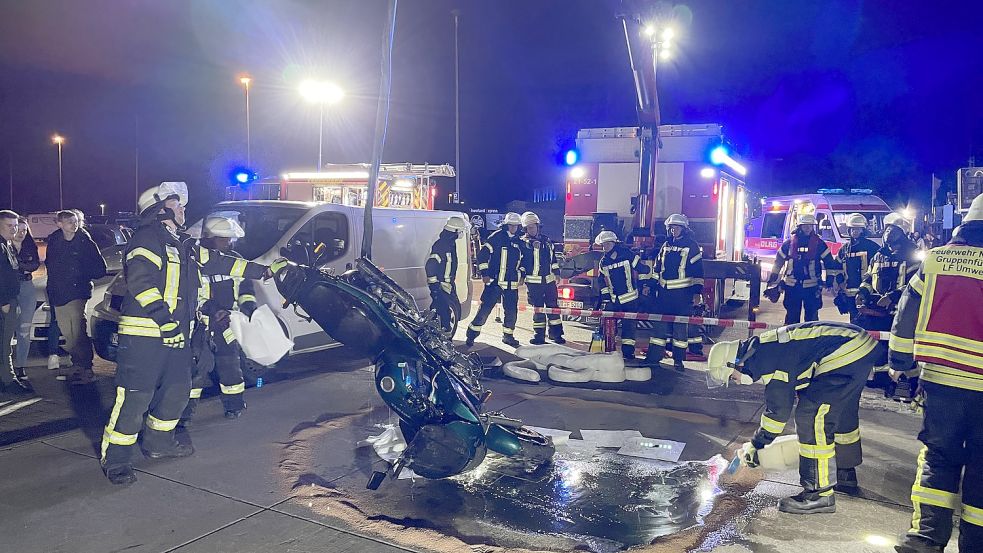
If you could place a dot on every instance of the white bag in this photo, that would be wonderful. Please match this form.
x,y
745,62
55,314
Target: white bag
x,y
261,337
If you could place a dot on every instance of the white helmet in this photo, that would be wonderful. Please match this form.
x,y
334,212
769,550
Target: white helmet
x,y
512,218
160,194
605,236
806,219
899,221
722,356
224,227
975,212
530,218
677,219
856,220
455,224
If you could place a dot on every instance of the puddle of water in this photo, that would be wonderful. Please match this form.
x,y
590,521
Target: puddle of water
x,y
607,502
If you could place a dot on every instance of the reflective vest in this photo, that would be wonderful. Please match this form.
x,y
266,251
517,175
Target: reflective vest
x,y
539,261
940,319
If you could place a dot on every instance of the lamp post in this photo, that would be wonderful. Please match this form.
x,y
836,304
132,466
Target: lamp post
x,y
321,93
245,80
58,140
102,209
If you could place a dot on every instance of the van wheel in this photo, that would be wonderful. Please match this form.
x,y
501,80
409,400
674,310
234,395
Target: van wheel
x,y
455,319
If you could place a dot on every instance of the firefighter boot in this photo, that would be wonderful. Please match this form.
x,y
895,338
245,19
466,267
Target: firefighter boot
x,y
807,503
121,475
556,333
539,337
510,340
846,482
471,335
189,413
913,544
654,354
162,445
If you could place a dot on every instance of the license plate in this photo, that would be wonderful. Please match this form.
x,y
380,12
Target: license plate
x,y
570,304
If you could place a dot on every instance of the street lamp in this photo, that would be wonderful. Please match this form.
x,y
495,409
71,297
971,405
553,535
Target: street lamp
x,y
102,209
58,140
244,81
321,93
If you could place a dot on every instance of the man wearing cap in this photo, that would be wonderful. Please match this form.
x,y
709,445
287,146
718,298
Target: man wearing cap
x,y
799,265
213,345
678,282
620,266
825,365
539,267
163,269
939,330
441,268
855,258
498,264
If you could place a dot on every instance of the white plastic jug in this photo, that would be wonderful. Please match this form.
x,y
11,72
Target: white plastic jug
x,y
781,454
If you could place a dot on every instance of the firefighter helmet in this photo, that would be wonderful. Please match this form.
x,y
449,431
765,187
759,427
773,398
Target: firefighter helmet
x,y
677,219
720,363
157,195
975,212
455,224
512,218
605,236
899,221
222,227
856,220
806,219
530,218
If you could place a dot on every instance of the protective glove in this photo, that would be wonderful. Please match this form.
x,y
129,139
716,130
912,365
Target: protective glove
x,y
697,299
884,302
276,267
220,321
171,335
748,455
773,293
247,308
486,280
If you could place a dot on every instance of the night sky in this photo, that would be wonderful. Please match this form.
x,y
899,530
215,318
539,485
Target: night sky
x,y
825,93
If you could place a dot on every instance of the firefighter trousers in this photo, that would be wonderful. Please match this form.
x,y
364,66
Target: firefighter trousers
x,y
216,350
873,322
798,299
628,326
489,299
153,383
953,449
441,302
827,420
545,295
671,302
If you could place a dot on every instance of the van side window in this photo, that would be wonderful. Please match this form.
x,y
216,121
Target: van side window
x,y
330,229
825,227
773,225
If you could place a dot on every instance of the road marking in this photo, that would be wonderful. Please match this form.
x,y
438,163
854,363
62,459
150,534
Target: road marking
x,y
20,405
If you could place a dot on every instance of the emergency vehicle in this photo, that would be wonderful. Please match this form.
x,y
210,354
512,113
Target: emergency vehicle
x,y
401,185
779,216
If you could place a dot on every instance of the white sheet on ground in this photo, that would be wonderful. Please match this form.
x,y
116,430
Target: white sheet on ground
x,y
650,448
388,445
609,438
525,369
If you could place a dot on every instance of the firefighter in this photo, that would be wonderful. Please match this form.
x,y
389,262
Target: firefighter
x,y
441,270
939,325
620,292
855,258
826,366
806,255
877,300
539,268
678,280
498,263
162,267
220,295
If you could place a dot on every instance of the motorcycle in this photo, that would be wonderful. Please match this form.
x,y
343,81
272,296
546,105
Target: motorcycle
x,y
434,389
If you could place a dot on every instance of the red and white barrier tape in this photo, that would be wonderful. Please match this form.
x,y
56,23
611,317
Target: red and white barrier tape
x,y
728,323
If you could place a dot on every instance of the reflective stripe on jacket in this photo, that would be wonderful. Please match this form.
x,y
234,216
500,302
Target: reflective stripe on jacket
x,y
618,268
498,259
539,262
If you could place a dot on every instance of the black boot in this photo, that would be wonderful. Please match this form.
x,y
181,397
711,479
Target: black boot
x,y
846,482
558,339
121,475
510,340
808,503
538,339
162,445
189,413
913,544
653,355
234,409
471,335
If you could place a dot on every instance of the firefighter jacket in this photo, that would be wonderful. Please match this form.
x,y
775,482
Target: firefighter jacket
x,y
679,264
163,274
498,259
806,257
441,266
940,317
539,259
789,359
889,272
855,258
224,292
618,268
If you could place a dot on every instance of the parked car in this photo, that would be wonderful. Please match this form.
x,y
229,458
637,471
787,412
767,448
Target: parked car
x,y
401,245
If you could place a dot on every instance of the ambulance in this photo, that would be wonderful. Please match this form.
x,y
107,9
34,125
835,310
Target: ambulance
x,y
765,234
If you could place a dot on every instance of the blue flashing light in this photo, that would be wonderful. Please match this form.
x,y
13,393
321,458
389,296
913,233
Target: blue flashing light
x,y
719,155
571,157
242,177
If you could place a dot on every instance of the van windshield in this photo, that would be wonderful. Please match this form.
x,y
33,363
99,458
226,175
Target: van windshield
x,y
875,222
264,225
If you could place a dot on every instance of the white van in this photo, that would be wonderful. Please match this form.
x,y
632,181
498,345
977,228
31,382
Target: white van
x,y
401,245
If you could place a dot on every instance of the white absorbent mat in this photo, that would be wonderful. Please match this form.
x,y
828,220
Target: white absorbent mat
x,y
650,448
388,446
587,367
523,370
609,438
